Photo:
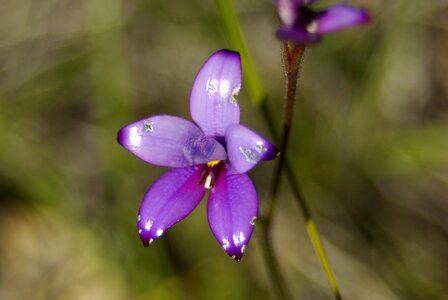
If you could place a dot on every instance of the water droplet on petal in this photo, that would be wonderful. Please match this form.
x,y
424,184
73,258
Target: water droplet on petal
x,y
252,221
159,232
148,126
148,225
225,244
235,93
260,148
243,248
212,86
249,155
239,238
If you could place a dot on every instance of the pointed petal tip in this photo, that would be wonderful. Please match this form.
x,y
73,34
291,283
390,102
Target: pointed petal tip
x,y
237,258
365,17
341,16
147,234
236,252
273,152
146,239
121,136
226,53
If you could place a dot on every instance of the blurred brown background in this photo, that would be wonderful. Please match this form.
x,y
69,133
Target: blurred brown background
x,y
370,146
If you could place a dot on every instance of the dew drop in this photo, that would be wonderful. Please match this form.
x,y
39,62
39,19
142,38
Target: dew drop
x,y
148,225
260,148
150,241
233,99
250,155
225,244
212,86
243,248
159,232
252,221
148,126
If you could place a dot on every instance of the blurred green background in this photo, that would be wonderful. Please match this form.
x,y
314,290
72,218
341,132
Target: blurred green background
x,y
369,144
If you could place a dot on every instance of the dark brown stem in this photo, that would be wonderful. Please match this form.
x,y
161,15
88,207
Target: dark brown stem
x,y
292,56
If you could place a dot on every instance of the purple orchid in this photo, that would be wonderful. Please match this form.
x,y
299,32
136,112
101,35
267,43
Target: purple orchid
x,y
303,25
215,154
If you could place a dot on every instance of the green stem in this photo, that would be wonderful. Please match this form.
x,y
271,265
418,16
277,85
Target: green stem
x,y
236,40
257,95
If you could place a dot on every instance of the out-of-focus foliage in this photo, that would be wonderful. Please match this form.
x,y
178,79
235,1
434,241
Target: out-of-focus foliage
x,y
370,145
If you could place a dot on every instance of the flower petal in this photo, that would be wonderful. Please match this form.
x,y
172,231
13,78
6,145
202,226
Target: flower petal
x,y
339,17
232,209
170,141
170,199
297,34
213,104
287,10
245,148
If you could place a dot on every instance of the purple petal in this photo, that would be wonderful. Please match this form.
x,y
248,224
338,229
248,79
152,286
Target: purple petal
x,y
338,17
213,104
297,34
170,141
232,209
245,148
287,10
170,199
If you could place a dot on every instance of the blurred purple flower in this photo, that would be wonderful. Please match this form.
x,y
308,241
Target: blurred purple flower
x,y
303,25
215,154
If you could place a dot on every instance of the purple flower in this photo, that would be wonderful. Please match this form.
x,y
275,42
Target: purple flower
x,y
303,25
215,153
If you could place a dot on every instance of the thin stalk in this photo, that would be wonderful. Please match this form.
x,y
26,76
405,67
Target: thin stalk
x,y
257,95
292,56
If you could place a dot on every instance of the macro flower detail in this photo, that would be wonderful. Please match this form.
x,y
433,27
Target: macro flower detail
x,y
303,25
213,153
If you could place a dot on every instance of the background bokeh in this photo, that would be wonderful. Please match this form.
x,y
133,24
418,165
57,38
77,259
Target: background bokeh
x,y
369,144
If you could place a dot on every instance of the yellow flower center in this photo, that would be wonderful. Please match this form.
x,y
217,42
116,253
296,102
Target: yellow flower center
x,y
213,163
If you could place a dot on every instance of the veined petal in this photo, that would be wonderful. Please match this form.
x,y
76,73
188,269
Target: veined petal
x,y
213,104
339,17
232,209
170,142
297,34
245,148
170,199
